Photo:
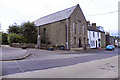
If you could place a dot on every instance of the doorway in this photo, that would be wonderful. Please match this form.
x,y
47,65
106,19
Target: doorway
x,y
80,43
96,44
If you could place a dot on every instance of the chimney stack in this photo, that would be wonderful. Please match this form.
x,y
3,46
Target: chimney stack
x,y
94,25
88,23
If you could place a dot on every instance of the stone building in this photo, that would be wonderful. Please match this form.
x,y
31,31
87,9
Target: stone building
x,y
110,40
67,27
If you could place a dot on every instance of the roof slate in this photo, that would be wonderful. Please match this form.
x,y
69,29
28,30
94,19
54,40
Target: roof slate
x,y
90,28
60,15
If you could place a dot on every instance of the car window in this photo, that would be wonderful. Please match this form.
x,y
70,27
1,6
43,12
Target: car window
x,y
110,46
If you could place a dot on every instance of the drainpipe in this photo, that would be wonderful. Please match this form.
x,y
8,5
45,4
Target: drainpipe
x,y
67,45
38,39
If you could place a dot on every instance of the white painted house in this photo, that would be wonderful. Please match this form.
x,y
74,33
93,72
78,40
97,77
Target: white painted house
x,y
94,37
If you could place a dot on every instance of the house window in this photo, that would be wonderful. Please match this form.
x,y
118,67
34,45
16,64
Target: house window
x,y
93,34
74,27
98,34
79,27
84,29
87,41
44,31
92,43
74,40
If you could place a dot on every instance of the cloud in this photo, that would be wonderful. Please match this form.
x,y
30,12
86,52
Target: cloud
x,y
23,10
24,7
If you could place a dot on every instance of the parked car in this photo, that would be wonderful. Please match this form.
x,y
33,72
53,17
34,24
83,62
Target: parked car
x,y
110,47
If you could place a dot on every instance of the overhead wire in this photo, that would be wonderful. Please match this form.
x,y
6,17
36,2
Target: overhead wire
x,y
105,13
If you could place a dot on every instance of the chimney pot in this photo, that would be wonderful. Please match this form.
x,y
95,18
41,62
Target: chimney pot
x,y
94,25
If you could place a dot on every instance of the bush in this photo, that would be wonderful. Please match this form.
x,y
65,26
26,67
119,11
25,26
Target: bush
x,y
4,38
15,38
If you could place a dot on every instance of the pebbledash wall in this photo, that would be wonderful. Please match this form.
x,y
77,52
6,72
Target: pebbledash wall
x,y
56,31
94,40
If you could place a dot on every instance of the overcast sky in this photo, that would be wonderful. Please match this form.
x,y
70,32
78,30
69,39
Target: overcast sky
x,y
19,11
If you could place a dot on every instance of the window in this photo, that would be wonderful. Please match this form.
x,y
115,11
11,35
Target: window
x,y
74,40
74,27
79,27
44,31
87,41
98,34
93,34
92,43
84,29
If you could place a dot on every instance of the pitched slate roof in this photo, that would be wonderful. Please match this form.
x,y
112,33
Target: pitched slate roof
x,y
60,15
90,28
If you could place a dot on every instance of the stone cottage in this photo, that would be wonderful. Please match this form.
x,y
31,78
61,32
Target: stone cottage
x,y
67,27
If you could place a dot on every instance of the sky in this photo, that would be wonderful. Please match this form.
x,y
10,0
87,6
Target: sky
x,y
19,11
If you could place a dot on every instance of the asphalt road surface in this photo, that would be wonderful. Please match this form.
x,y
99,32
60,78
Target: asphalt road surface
x,y
32,65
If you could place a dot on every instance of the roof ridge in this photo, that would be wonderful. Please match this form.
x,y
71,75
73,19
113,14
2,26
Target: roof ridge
x,y
58,11
93,29
59,15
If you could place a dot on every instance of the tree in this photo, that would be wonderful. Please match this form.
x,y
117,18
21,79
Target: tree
x,y
14,29
4,38
30,32
15,38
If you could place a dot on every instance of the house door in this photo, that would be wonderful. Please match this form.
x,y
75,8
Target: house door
x,y
96,44
79,42
99,42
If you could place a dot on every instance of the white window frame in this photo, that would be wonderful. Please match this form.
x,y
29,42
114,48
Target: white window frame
x,y
98,34
93,34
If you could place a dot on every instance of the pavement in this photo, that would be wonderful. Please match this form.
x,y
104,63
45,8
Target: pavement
x,y
105,68
9,53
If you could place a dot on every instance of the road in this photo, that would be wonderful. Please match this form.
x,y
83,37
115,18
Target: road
x,y
13,67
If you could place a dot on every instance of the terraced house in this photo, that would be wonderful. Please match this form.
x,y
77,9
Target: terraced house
x,y
96,36
67,27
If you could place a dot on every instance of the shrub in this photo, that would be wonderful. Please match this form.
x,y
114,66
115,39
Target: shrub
x,y
15,38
